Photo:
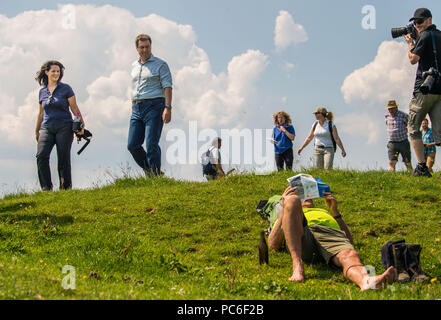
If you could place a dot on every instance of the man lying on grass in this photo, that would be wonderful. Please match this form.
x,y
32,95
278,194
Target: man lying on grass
x,y
313,234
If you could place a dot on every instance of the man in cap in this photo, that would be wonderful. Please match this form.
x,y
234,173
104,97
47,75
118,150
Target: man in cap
x,y
422,51
396,122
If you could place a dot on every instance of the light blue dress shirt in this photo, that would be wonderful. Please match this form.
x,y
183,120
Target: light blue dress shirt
x,y
149,79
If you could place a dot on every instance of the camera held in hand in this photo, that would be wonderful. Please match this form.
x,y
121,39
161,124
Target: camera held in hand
x,y
430,78
77,125
408,29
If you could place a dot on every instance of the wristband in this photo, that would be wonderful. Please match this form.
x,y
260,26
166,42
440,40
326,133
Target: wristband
x,y
168,107
337,217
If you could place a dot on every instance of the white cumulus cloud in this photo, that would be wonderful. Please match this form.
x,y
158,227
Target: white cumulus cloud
x,y
388,76
367,90
287,32
97,53
363,124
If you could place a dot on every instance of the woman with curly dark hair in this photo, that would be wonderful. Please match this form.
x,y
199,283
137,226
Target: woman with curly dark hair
x,y
54,124
283,135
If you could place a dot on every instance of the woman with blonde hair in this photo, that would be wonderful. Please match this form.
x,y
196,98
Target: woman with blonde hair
x,y
326,139
283,137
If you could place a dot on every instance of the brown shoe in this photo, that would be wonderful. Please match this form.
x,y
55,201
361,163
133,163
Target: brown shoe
x,y
417,273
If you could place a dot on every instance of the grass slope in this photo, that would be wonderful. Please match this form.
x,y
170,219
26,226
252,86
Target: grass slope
x,y
166,239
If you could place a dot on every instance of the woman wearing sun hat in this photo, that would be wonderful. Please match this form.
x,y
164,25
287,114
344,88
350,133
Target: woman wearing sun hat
x,y
326,138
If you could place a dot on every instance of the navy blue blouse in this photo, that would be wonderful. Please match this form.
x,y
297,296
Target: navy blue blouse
x,y
56,107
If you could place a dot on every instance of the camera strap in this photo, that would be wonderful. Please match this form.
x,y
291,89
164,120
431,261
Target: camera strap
x,y
434,50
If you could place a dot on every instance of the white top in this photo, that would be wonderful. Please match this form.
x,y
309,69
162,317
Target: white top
x,y
322,135
214,155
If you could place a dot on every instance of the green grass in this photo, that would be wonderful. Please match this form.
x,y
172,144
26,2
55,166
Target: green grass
x,y
166,239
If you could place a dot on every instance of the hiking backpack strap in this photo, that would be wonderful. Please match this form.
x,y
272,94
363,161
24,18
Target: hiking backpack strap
x,y
332,136
313,129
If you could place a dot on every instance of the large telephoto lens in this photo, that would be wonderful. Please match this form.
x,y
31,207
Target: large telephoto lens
x,y
399,32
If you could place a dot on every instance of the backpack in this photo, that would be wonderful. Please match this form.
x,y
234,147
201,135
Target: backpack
x,y
330,131
207,166
268,210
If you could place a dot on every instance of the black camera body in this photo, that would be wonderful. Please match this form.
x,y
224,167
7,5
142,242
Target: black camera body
x,y
408,29
430,77
77,126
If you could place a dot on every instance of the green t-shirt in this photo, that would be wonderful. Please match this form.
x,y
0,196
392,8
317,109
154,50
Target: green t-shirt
x,y
321,217
314,216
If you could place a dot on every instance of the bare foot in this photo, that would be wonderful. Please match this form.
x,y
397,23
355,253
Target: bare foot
x,y
298,274
380,282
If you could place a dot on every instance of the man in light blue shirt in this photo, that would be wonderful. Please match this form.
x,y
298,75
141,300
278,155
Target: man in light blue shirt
x,y
151,106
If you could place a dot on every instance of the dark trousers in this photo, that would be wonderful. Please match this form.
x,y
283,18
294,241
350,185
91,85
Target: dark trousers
x,y
284,158
60,135
146,124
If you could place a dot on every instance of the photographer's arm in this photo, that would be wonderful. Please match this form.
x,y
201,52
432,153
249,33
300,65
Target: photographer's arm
x,y
413,58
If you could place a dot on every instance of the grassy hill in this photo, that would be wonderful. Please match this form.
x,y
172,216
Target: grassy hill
x,y
166,239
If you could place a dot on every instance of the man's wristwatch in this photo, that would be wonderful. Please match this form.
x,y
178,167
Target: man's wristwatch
x,y
337,217
168,107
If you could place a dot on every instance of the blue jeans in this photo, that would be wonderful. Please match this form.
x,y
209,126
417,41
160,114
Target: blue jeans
x,y
146,124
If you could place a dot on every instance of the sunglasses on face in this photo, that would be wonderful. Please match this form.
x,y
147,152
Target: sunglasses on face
x,y
419,21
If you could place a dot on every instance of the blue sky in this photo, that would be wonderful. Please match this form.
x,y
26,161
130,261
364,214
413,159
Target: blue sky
x,y
337,46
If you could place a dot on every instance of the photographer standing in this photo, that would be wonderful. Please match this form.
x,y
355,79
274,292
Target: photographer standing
x,y
427,92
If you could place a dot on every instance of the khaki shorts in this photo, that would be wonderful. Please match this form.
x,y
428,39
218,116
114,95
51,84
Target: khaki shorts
x,y
322,243
419,107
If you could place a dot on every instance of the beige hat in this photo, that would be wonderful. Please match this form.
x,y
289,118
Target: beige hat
x,y
392,104
321,110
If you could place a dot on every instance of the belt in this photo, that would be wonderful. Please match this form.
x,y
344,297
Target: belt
x,y
144,100
399,141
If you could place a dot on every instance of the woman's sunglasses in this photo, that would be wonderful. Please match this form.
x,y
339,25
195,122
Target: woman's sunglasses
x,y
50,99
